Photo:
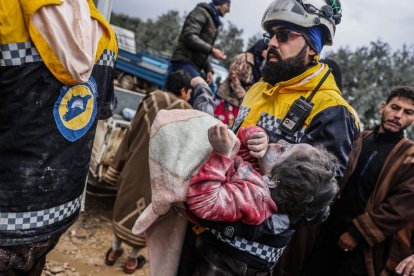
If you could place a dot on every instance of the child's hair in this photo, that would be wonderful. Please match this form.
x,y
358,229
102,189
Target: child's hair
x,y
176,81
305,183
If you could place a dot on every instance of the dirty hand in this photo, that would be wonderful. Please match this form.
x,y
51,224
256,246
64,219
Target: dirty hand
x,y
218,54
220,139
197,80
406,266
209,77
257,144
347,242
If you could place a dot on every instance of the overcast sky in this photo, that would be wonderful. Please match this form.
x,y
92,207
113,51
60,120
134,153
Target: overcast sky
x,y
363,21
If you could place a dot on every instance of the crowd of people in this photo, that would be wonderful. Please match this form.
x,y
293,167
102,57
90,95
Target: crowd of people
x,y
271,175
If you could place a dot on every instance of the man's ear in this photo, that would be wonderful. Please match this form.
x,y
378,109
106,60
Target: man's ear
x,y
311,52
182,92
382,107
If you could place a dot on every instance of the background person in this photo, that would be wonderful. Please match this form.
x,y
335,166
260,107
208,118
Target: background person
x,y
244,71
52,95
377,201
195,45
197,37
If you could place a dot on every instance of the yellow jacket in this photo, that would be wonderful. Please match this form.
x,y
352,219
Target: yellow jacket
x,y
18,25
332,121
56,81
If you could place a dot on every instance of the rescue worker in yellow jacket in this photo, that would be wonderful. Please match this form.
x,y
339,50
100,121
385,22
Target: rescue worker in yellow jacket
x,y
56,66
296,100
292,71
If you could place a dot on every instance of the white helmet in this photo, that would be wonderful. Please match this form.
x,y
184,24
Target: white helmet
x,y
306,13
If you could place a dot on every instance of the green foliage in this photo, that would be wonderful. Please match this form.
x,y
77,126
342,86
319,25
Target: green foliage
x,y
230,41
160,35
252,40
370,72
122,20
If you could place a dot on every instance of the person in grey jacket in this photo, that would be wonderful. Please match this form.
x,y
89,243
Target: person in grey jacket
x,y
197,38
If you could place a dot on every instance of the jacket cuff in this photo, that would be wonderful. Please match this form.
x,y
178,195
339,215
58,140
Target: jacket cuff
x,y
355,234
368,229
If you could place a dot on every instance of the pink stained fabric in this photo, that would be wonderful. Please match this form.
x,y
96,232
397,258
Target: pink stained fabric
x,y
230,189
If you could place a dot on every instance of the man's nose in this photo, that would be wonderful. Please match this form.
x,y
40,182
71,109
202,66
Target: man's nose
x,y
273,42
399,113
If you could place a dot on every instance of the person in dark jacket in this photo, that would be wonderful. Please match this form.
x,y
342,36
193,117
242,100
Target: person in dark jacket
x,y
52,95
377,200
197,37
195,44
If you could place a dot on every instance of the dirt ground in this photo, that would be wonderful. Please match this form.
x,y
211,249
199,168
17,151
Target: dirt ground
x,y
81,250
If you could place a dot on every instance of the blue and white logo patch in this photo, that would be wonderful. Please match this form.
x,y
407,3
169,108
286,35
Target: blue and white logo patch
x,y
75,109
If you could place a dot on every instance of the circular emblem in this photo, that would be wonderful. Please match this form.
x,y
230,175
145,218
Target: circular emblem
x,y
75,109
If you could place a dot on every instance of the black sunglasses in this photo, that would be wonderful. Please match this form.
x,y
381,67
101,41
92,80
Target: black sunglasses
x,y
282,36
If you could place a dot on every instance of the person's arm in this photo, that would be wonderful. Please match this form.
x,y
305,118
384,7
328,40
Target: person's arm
x,y
203,96
393,213
228,190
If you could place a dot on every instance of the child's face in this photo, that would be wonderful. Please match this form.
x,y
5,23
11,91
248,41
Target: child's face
x,y
279,152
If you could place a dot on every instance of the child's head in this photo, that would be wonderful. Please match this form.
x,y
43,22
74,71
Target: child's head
x,y
301,178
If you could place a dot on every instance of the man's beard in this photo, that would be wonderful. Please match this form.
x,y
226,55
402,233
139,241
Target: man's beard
x,y
390,131
284,70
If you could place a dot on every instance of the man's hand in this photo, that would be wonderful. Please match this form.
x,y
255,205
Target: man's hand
x,y
257,144
209,77
347,242
218,54
220,139
197,80
406,266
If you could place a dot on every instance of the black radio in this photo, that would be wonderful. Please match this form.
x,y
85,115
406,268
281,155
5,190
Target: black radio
x,y
299,111
296,116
